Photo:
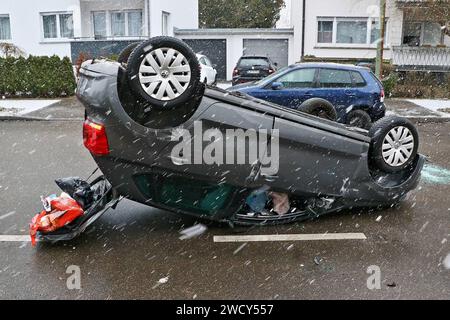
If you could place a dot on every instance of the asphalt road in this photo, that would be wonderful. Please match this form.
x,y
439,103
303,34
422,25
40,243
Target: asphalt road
x,y
135,252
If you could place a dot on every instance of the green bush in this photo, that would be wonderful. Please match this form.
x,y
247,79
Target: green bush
x,y
36,77
389,84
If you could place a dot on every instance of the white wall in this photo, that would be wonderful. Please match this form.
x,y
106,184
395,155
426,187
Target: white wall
x,y
26,25
235,44
26,28
183,15
343,8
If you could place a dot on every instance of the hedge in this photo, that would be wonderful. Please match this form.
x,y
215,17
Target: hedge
x,y
36,77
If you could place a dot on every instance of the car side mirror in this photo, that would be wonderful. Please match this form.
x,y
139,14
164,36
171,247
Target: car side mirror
x,y
277,85
276,64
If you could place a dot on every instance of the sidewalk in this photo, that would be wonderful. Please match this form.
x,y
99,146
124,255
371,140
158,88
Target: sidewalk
x,y
419,110
33,109
67,108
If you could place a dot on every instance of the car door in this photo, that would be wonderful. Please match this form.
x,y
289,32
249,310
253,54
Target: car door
x,y
335,86
290,89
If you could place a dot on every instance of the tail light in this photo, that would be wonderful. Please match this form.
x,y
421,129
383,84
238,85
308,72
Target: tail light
x,y
235,72
271,71
95,139
382,95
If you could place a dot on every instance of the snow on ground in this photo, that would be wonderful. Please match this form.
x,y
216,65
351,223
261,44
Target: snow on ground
x,y
434,105
16,107
224,85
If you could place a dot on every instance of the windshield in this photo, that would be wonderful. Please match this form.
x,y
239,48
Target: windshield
x,y
250,62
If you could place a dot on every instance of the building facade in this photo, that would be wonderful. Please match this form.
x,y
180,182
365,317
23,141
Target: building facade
x,y
48,27
327,30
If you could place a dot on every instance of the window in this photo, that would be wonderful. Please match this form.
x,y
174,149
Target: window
x,y
358,80
118,24
66,25
341,31
325,32
208,62
330,78
422,33
300,78
432,33
165,23
375,30
5,27
412,34
57,25
253,62
99,19
134,23
351,32
126,23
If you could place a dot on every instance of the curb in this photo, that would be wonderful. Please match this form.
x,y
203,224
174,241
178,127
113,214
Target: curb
x,y
428,119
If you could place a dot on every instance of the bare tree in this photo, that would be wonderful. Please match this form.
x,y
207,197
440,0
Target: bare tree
x,y
10,50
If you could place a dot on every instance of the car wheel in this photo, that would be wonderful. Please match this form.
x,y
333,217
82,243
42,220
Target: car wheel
x,y
125,53
165,72
319,108
360,119
395,142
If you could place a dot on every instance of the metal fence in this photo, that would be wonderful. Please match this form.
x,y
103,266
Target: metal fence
x,y
422,58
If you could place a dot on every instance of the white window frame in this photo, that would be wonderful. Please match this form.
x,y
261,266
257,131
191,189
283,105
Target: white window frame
x,y
127,31
334,43
165,17
58,26
6,15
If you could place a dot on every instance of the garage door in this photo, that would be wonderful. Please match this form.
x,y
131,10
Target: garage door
x,y
215,50
275,49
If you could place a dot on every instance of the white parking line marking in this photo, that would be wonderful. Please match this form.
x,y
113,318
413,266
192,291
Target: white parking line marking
x,y
291,237
15,238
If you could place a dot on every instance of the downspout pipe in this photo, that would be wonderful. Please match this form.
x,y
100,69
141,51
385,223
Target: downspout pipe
x,y
303,29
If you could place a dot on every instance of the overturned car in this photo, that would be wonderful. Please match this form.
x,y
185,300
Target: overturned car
x,y
164,139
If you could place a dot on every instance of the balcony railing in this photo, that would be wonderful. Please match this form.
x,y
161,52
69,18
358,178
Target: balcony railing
x,y
422,58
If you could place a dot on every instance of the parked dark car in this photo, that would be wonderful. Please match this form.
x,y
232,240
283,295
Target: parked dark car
x,y
135,109
252,68
346,93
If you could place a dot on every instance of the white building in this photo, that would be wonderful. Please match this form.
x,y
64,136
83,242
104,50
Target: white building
x,y
47,27
326,30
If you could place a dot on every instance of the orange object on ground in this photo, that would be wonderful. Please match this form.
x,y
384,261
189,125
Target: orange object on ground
x,y
63,211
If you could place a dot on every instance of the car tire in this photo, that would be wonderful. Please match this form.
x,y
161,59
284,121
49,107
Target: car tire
x,y
165,72
395,142
125,53
359,119
320,108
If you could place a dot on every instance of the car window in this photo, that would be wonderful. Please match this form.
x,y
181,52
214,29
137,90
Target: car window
x,y
252,62
332,78
300,78
268,79
208,62
358,80
202,60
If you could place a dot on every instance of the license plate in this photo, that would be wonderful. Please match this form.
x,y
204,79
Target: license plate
x,y
253,71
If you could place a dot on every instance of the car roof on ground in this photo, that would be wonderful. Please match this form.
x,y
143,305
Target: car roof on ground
x,y
328,65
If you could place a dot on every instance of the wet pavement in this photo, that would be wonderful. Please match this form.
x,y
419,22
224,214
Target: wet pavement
x,y
135,252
